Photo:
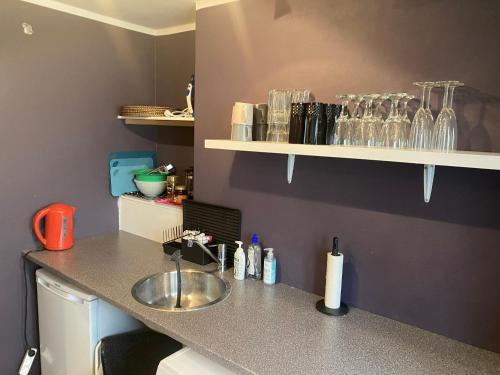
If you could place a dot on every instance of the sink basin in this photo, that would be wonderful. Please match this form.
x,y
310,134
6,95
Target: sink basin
x,y
199,290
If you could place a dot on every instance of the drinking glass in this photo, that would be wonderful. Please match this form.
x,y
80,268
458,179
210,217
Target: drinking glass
x,y
404,112
332,113
444,134
340,136
315,124
394,134
278,115
366,133
279,102
423,122
378,113
300,96
355,118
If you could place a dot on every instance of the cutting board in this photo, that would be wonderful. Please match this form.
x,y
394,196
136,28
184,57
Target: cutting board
x,y
122,164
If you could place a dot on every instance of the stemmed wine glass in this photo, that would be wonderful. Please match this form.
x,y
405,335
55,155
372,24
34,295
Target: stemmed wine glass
x,y
367,133
404,112
355,119
423,122
394,133
444,134
378,113
340,136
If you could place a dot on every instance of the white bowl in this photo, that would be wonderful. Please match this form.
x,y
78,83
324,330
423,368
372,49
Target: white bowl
x,y
151,189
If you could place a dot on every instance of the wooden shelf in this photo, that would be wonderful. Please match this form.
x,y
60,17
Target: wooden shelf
x,y
429,159
159,121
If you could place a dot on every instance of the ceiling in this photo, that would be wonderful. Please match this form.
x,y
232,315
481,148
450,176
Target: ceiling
x,y
156,17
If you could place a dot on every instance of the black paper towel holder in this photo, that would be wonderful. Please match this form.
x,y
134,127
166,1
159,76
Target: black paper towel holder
x,y
341,311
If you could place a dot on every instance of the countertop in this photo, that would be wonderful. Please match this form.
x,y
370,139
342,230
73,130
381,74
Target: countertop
x,y
262,329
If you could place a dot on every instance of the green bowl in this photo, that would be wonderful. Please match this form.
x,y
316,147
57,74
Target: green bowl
x,y
155,177
141,171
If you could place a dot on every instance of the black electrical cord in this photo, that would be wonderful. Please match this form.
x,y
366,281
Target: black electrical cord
x,y
26,283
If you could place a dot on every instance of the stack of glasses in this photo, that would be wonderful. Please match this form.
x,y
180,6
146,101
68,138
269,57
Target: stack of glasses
x,y
292,118
278,116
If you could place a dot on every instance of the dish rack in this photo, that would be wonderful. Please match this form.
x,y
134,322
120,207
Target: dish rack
x,y
222,223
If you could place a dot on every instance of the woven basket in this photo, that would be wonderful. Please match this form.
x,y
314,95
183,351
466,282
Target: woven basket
x,y
142,111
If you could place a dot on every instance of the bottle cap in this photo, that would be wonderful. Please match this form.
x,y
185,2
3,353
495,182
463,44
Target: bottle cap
x,y
255,239
240,243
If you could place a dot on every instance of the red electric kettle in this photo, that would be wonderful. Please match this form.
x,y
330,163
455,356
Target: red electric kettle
x,y
58,226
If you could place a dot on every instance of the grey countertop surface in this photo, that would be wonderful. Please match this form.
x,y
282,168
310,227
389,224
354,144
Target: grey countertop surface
x,y
262,329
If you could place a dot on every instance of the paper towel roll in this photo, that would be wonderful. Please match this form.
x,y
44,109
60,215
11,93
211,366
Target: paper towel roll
x,y
333,286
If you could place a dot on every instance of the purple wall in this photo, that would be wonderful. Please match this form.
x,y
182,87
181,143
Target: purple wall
x,y
60,90
432,265
175,58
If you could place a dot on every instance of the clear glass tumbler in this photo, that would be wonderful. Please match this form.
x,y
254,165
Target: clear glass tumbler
x,y
278,115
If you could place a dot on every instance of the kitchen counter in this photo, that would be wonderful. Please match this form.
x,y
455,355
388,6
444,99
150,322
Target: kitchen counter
x,y
262,329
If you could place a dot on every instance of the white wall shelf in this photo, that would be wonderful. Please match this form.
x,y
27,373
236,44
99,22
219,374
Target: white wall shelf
x,y
160,121
429,159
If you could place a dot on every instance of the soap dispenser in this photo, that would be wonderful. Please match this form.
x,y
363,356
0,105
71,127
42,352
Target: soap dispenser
x,y
239,262
269,267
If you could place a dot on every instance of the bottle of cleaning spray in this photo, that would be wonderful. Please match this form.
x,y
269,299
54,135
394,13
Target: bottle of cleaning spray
x,y
239,262
254,262
269,267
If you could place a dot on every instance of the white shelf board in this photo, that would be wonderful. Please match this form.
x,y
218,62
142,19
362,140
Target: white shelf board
x,y
160,120
463,159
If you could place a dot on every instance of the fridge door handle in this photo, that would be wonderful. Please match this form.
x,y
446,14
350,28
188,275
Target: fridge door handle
x,y
61,293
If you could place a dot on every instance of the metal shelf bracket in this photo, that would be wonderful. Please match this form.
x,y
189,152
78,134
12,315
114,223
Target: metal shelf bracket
x,y
429,170
289,168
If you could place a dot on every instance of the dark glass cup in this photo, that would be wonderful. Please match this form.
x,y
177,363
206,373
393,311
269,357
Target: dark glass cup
x,y
315,125
260,126
297,123
332,113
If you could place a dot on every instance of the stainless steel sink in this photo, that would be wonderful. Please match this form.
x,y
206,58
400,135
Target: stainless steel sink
x,y
199,290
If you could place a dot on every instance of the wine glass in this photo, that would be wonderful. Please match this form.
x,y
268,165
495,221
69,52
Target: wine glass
x,y
378,113
423,122
367,133
394,133
355,118
444,134
340,135
404,112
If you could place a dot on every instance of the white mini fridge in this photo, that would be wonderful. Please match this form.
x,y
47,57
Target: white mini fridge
x,y
71,322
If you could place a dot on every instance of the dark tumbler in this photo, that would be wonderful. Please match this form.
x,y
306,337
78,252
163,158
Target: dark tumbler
x,y
315,125
332,113
260,126
297,123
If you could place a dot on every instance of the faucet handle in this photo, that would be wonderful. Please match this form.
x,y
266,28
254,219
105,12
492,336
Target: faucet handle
x,y
176,256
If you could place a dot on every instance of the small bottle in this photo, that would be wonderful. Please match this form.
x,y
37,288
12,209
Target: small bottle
x,y
239,262
269,267
254,262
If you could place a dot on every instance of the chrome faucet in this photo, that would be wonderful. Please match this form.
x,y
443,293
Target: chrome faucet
x,y
205,249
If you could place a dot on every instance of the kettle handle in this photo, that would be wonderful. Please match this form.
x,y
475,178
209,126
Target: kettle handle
x,y
36,224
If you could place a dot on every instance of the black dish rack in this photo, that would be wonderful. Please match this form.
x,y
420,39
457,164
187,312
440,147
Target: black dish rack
x,y
222,223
